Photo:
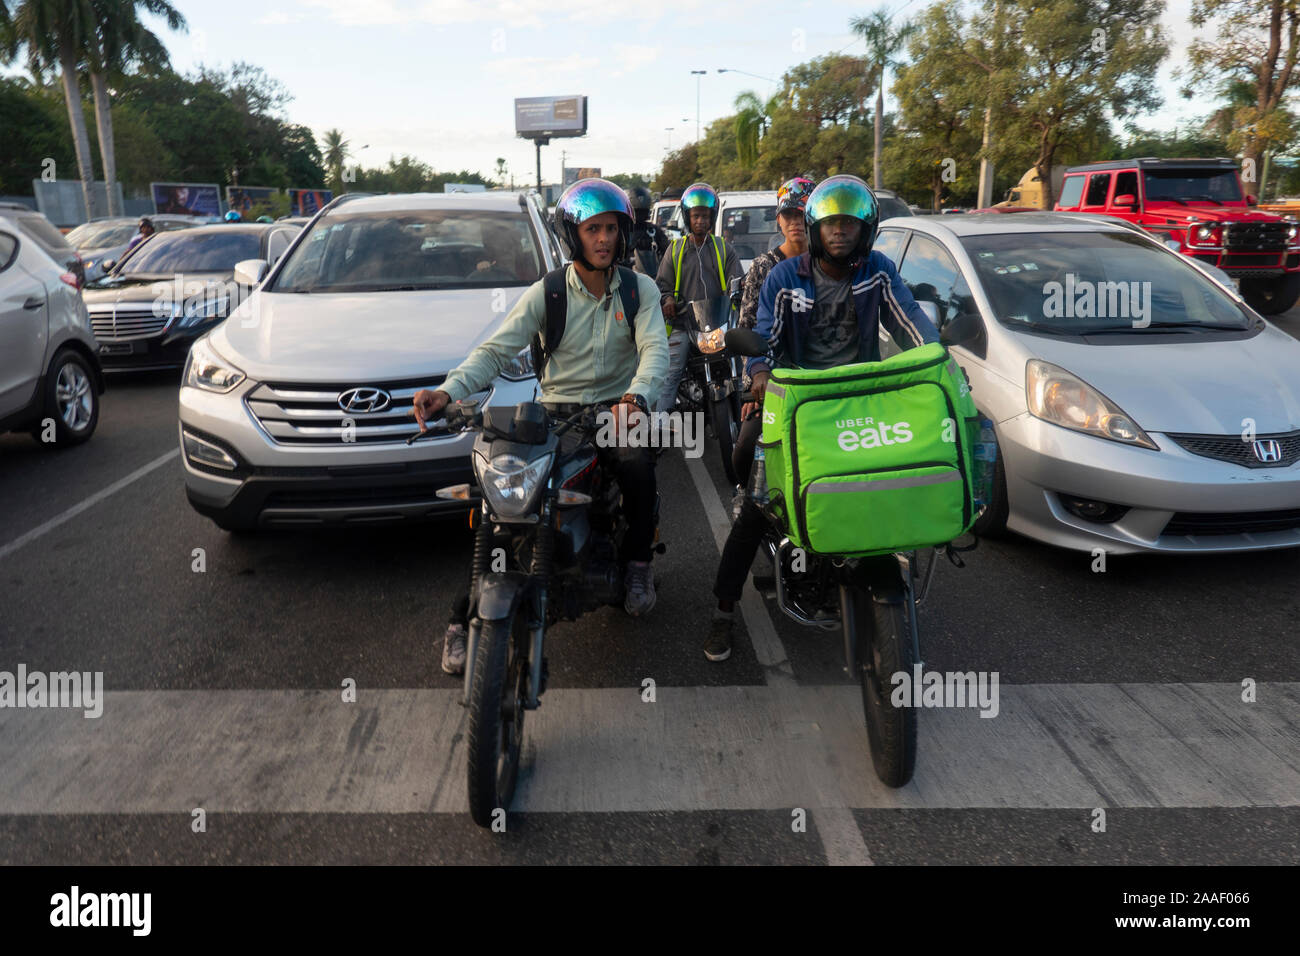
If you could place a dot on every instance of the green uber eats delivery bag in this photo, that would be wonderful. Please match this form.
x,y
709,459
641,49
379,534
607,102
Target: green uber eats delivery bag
x,y
872,458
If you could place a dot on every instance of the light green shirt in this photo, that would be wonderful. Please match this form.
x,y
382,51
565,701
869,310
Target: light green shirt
x,y
597,358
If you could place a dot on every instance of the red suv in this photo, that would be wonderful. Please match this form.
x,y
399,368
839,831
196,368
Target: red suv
x,y
1200,204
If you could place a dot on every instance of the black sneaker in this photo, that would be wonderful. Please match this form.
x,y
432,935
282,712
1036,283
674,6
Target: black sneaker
x,y
719,646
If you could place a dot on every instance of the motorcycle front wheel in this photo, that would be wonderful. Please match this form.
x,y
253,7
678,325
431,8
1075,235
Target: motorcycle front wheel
x,y
496,715
725,430
884,648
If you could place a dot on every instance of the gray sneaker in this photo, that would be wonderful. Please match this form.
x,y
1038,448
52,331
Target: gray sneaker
x,y
640,587
453,649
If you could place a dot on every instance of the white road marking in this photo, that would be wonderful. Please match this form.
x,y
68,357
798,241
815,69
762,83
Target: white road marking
x,y
79,507
1052,746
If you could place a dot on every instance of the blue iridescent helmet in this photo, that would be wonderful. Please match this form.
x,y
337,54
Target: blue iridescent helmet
x,y
842,196
700,196
581,201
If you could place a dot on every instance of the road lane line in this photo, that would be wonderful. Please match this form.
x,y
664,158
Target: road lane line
x,y
96,498
696,748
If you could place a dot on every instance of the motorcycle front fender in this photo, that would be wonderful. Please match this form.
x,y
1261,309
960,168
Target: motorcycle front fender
x,y
499,594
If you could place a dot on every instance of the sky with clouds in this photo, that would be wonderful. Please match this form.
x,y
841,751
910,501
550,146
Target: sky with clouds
x,y
437,78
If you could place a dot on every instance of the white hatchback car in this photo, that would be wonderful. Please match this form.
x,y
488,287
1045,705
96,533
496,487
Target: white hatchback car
x,y
50,379
295,411
1138,404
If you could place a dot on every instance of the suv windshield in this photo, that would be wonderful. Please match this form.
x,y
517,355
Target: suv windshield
x,y
413,249
892,206
98,235
1078,283
751,229
193,251
1215,185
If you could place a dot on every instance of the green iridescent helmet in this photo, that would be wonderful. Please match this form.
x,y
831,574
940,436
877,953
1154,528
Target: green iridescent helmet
x,y
700,196
583,200
842,196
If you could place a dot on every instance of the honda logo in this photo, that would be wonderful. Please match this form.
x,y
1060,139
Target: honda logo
x,y
1268,451
364,400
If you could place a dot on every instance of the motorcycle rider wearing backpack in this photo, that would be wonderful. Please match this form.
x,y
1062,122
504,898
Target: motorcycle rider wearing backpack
x,y
608,354
648,242
817,310
698,266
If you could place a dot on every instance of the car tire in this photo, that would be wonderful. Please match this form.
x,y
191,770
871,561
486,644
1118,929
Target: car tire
x,y
1271,296
71,400
993,522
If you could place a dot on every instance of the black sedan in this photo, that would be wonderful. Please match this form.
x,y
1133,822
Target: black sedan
x,y
168,291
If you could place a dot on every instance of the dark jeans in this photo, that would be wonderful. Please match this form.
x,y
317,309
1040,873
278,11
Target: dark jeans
x,y
634,468
739,551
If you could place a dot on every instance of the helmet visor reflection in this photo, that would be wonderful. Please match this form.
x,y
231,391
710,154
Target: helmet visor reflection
x,y
586,199
841,199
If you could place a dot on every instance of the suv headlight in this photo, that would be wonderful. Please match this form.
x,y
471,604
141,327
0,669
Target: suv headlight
x,y
510,483
711,341
520,367
207,370
1063,399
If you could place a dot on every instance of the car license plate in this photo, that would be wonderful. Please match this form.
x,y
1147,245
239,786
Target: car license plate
x,y
123,348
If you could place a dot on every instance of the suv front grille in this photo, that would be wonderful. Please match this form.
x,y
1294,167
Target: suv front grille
x,y
310,414
1233,449
1255,236
118,323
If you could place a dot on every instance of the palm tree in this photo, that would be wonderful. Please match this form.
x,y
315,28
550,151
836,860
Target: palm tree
x,y
120,40
883,42
336,153
752,119
501,169
56,32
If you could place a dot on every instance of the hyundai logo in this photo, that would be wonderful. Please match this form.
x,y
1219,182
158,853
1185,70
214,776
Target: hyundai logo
x,y
1267,450
364,400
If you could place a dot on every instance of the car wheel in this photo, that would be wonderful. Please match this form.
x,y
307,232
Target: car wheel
x,y
1271,296
71,401
993,522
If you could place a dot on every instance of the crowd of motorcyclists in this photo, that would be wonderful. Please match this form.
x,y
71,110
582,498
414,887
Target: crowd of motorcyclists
x,y
818,300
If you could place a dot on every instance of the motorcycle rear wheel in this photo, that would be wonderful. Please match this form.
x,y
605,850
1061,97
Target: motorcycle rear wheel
x,y
496,715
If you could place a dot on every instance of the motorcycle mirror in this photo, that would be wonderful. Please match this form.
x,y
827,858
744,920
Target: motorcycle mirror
x,y
734,286
745,342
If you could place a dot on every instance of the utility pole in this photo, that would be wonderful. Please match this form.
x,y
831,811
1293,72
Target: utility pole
x,y
698,74
986,164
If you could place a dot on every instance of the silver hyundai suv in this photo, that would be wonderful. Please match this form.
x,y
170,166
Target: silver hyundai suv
x,y
295,411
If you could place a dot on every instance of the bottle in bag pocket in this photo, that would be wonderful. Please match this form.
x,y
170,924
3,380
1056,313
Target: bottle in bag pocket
x,y
757,488
986,456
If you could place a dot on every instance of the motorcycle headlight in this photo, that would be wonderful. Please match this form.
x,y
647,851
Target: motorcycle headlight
x,y
711,341
520,367
207,370
1058,397
510,483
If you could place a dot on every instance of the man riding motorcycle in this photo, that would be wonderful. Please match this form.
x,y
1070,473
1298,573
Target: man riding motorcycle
x,y
698,266
820,309
604,357
648,242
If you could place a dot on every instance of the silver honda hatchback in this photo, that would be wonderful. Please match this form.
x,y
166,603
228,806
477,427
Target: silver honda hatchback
x,y
1139,405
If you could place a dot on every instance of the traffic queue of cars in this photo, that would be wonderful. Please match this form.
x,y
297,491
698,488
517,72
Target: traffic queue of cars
x,y
1138,402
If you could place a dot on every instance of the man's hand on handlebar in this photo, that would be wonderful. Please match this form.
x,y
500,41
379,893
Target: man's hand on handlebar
x,y
427,404
670,308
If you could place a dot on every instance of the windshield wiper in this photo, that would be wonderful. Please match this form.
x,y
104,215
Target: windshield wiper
x,y
1207,199
1039,327
1195,326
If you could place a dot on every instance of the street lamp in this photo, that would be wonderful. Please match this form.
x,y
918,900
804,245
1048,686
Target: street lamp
x,y
670,137
697,74
767,79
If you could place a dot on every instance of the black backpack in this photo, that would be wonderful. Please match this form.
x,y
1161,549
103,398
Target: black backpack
x,y
557,309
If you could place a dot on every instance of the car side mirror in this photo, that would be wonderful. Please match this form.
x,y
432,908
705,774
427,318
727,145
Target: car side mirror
x,y
966,330
251,271
931,312
1252,200
107,265
1128,199
745,342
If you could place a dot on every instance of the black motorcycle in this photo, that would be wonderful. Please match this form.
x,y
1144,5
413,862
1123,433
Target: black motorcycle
x,y
710,382
870,601
548,523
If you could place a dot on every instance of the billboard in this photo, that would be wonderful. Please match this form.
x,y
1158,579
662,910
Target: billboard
x,y
541,116
186,199
573,173
308,202
246,199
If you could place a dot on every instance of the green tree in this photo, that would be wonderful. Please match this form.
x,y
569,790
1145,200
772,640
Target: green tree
x,y
883,40
336,154
56,33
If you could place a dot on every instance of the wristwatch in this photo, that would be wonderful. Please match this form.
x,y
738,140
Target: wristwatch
x,y
632,398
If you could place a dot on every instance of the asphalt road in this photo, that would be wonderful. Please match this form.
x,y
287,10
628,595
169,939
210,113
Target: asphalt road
x,y
1120,691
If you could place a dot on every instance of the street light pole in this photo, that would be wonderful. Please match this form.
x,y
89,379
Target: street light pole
x,y
670,137
697,74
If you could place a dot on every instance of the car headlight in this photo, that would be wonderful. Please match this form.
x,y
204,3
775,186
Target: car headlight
x,y
1292,230
196,312
1063,399
520,367
510,483
711,341
207,370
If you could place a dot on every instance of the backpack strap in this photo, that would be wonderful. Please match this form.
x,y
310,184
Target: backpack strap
x,y
631,297
556,297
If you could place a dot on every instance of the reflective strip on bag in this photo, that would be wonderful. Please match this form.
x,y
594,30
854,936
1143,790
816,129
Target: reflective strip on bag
x,y
776,389
817,488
